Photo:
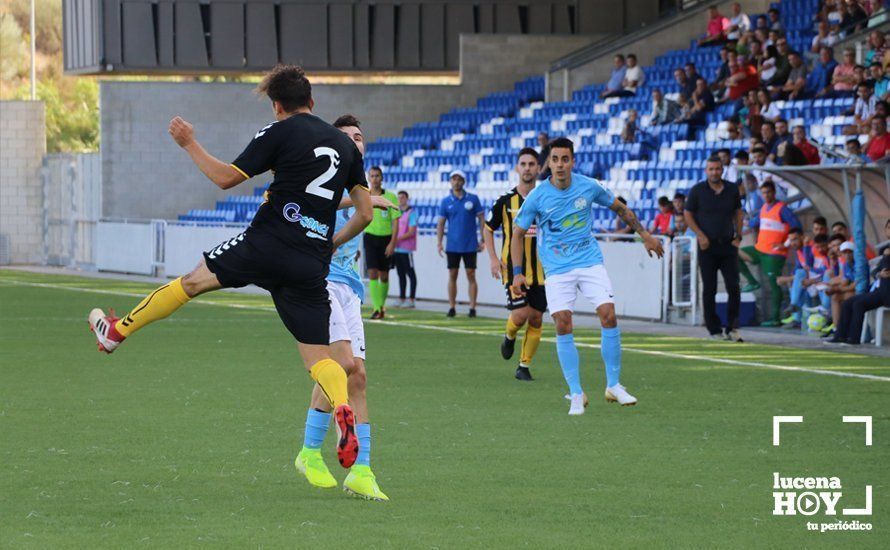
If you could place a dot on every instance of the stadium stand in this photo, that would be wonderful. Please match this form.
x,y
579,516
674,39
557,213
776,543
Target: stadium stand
x,y
662,160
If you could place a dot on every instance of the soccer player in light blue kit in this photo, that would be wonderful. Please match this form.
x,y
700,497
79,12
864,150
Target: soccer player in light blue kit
x,y
559,209
347,344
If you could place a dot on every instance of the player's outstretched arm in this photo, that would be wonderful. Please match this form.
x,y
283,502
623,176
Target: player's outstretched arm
x,y
627,215
377,201
224,175
517,243
361,198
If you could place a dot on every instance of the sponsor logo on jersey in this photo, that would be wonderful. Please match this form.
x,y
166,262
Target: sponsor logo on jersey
x,y
468,205
315,229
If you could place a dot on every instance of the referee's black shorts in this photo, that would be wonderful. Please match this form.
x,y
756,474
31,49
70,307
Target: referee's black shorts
x,y
295,279
375,252
535,297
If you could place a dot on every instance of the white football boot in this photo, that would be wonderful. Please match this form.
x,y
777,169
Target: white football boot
x,y
617,394
579,403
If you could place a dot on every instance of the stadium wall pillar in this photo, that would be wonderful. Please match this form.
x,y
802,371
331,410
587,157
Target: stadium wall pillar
x,y
146,176
22,147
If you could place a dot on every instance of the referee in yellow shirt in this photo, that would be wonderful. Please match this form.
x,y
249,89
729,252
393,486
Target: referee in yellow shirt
x,y
380,244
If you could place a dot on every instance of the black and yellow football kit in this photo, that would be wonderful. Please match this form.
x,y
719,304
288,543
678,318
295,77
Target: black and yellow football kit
x,y
501,217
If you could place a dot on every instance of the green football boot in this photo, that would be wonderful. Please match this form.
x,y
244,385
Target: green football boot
x,y
361,483
310,463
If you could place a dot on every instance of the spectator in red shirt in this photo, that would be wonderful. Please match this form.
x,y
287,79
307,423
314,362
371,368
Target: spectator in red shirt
x,y
663,222
878,145
717,26
799,138
743,77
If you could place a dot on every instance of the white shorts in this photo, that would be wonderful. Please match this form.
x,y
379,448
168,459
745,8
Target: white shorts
x,y
346,318
593,282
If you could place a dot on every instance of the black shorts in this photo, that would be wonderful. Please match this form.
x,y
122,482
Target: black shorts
x,y
295,279
454,259
535,297
375,252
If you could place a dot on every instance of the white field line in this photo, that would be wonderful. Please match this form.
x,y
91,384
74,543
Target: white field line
x,y
422,326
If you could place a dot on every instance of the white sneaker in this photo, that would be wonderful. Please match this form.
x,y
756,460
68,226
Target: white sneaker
x,y
734,335
617,394
578,404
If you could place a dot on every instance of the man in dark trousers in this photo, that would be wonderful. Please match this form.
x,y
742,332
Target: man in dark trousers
x,y
714,212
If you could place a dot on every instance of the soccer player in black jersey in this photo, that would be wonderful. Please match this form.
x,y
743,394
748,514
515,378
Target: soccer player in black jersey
x,y
529,308
287,247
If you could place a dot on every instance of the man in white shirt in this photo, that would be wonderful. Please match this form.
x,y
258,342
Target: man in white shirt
x,y
633,79
739,23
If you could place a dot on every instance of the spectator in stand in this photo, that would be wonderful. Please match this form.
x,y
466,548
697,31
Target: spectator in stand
x,y
743,78
783,65
782,136
863,111
406,244
732,173
633,79
819,79
768,110
629,133
722,72
854,149
855,18
679,202
543,155
702,104
616,78
789,155
739,23
878,146
733,129
877,48
775,20
823,38
750,115
692,76
772,38
843,80
751,203
768,135
663,224
776,220
725,156
755,53
810,153
685,106
861,75
775,68
717,25
685,86
762,24
664,110
880,81
797,80
853,310
714,213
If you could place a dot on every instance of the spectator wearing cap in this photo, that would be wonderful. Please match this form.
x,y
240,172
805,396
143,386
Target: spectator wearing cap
x,y
794,86
717,26
739,23
878,146
776,219
819,79
664,110
799,138
616,78
853,310
463,214
714,213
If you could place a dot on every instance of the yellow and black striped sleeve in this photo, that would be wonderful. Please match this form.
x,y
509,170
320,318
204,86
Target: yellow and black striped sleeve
x,y
495,217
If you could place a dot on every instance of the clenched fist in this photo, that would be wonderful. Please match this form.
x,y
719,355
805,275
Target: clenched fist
x,y
181,132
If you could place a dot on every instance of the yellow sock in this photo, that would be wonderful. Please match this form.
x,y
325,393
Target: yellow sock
x,y
530,344
512,328
331,379
157,305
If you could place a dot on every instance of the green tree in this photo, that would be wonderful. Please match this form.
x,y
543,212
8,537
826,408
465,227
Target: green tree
x,y
72,118
13,49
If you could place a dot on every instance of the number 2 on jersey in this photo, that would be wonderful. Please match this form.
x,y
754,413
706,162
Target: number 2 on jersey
x,y
315,186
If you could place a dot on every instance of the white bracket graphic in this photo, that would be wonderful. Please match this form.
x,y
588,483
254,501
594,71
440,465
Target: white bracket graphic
x,y
777,425
861,511
863,420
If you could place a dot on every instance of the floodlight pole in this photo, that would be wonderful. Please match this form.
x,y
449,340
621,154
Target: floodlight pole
x,y
33,55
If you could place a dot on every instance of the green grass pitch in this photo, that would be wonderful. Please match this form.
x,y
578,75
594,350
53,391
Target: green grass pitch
x,y
186,435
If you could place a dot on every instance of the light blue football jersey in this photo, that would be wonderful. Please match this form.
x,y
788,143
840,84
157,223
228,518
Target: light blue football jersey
x,y
343,264
564,223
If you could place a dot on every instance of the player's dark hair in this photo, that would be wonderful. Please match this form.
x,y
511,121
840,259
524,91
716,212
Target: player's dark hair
x,y
795,231
663,201
768,184
759,149
837,237
715,158
742,155
288,85
527,151
820,239
835,224
563,143
347,120
407,196
821,221
679,195
376,168
854,140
